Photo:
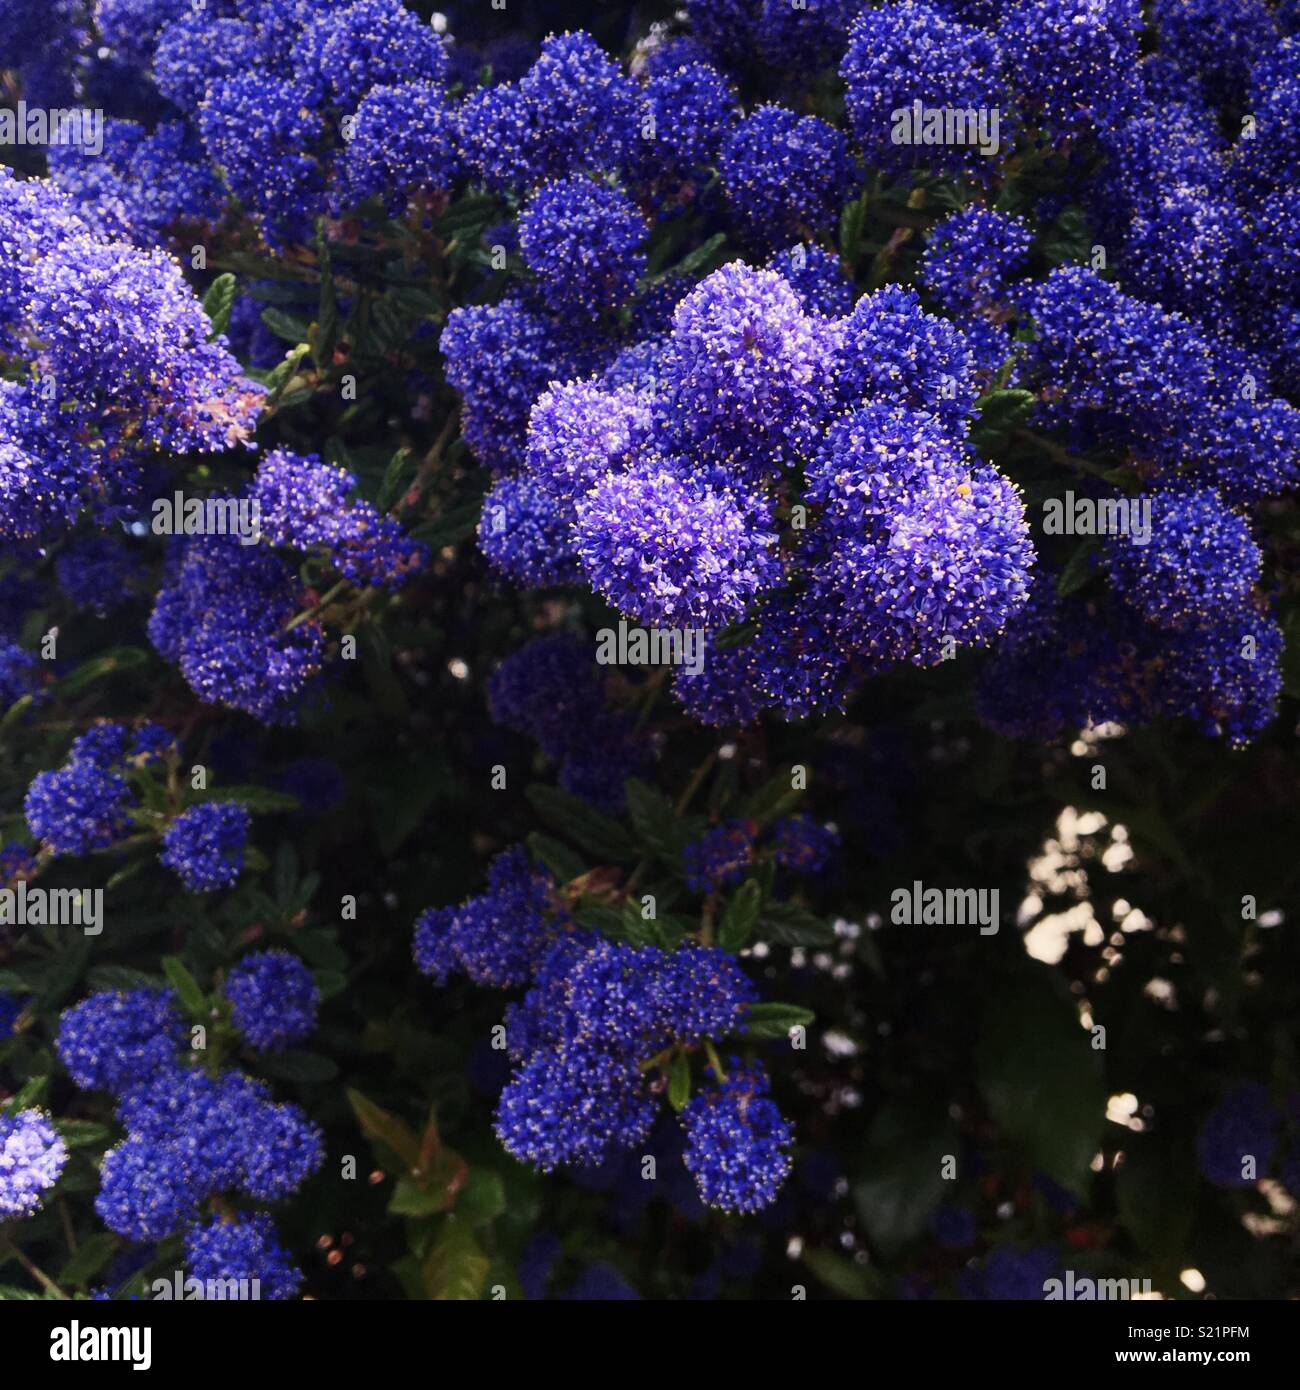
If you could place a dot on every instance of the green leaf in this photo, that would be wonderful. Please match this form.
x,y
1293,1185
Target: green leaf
x,y
563,863
456,1267
64,975
1155,1192
669,929
402,792
474,209
788,924
852,221
1000,412
286,873
109,663
16,711
279,377
588,828
122,977
695,262
652,817
331,983
410,1198
218,302
450,528
195,1001
482,1199
25,1096
740,916
325,331
774,1020
774,799
81,1134
679,1082
1078,569
295,1065
901,1179
609,921
1041,1078
93,1254
401,464
291,327
259,800
842,1276
377,1124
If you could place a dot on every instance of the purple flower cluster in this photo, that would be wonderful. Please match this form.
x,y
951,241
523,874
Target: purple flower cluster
x,y
1067,662
737,1142
303,504
745,378
574,110
205,845
78,808
905,56
273,1000
121,365
225,620
403,141
785,175
972,258
32,1156
550,690
583,241
190,1134
497,938
593,1016
1128,375
246,1250
720,857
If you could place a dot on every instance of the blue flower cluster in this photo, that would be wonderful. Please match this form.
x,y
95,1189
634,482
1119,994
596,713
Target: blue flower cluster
x,y
583,241
737,1143
596,1010
1242,1137
720,857
599,1018
192,1134
498,938
303,503
671,490
32,1155
273,1000
596,1019
82,806
205,845
550,690
119,366
226,619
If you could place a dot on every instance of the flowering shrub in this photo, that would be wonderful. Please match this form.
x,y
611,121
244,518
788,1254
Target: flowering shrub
x,y
649,660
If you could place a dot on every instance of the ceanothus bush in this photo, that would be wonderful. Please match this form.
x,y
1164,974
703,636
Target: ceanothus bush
x,y
648,652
